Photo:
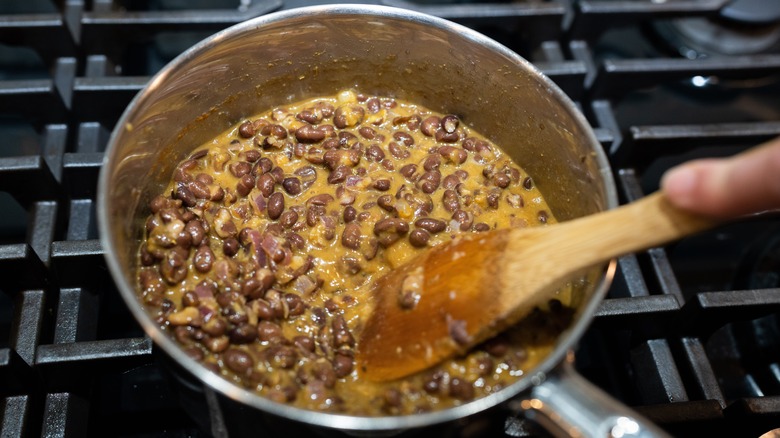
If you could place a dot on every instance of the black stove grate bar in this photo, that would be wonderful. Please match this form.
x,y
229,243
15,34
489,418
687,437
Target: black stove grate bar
x,y
616,77
537,22
109,32
591,18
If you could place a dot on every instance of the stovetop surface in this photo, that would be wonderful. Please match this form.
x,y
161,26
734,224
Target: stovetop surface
x,y
688,335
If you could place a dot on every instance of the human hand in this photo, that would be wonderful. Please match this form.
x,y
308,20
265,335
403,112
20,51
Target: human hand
x,y
727,188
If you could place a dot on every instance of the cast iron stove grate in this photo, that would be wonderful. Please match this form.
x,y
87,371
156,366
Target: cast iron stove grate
x,y
688,334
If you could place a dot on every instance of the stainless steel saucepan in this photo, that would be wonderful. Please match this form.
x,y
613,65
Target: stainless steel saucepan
x,y
297,54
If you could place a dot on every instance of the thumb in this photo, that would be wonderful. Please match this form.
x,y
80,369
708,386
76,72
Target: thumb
x,y
730,187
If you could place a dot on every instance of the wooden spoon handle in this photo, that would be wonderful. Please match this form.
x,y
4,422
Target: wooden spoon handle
x,y
642,224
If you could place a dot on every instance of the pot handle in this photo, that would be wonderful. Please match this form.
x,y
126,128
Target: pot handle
x,y
568,405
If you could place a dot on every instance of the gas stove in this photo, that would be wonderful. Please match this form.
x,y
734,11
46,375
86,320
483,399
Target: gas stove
x,y
689,335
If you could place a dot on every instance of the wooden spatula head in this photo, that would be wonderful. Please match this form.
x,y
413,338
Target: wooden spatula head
x,y
426,309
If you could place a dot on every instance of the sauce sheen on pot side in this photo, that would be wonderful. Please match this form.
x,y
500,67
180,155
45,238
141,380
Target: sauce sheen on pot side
x,y
259,256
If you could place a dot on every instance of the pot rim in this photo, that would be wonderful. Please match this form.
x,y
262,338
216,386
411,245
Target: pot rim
x,y
340,421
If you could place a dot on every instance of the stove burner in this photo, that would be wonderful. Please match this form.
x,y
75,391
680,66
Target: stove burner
x,y
741,27
697,38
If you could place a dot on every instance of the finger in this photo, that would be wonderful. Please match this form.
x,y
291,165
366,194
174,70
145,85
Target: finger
x,y
744,184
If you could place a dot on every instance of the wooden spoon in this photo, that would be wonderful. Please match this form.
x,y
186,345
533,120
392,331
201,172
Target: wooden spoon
x,y
461,293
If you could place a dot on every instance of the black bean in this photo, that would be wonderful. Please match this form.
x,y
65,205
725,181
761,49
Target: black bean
x,y
278,174
313,214
528,183
246,130
181,174
453,154
266,184
263,311
431,162
450,201
295,304
464,218
339,174
513,173
288,218
341,334
186,196
429,181
543,216
493,196
461,389
307,174
283,356
397,151
147,259
370,249
450,181
350,265
386,202
189,299
350,213
373,105
309,134
240,168
332,158
375,153
351,236
238,360
268,331
367,132
501,180
296,241
447,137
481,227
412,122
275,205
343,364
305,343
409,172
419,237
276,131
348,116
433,383
403,138
263,165
346,139
215,326
389,230
430,126
184,240
173,267
308,116
382,185
245,185
199,189
252,155
292,185
195,228
469,144
203,259
230,246
321,199
243,334
431,225
449,123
